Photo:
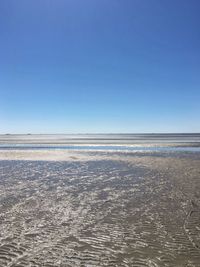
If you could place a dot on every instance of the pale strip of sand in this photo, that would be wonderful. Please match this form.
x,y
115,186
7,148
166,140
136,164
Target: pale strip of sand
x,y
43,155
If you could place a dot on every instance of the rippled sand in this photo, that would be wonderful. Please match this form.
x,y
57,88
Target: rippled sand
x,y
99,209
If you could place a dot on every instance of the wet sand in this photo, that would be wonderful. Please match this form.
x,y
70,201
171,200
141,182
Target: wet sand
x,y
80,208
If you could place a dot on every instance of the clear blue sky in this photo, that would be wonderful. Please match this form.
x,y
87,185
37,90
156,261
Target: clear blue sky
x,y
99,66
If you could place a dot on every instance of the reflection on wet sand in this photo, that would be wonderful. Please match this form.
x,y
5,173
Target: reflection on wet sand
x,y
106,209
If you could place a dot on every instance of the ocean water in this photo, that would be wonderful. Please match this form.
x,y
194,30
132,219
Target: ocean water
x,y
101,138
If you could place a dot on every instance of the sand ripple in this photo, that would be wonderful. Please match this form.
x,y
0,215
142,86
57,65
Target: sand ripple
x,y
100,213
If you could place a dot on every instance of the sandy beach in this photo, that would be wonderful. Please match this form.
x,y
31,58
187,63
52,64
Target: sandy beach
x,y
99,208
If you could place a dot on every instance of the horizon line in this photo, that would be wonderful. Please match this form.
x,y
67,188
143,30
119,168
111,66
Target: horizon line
x,y
101,133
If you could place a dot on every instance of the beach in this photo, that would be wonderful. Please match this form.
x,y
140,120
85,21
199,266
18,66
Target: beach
x,y
100,201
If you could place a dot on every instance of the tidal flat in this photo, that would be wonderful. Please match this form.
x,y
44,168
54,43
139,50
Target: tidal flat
x,y
88,208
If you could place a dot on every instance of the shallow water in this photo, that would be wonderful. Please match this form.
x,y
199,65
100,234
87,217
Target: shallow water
x,y
127,148
104,142
100,138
